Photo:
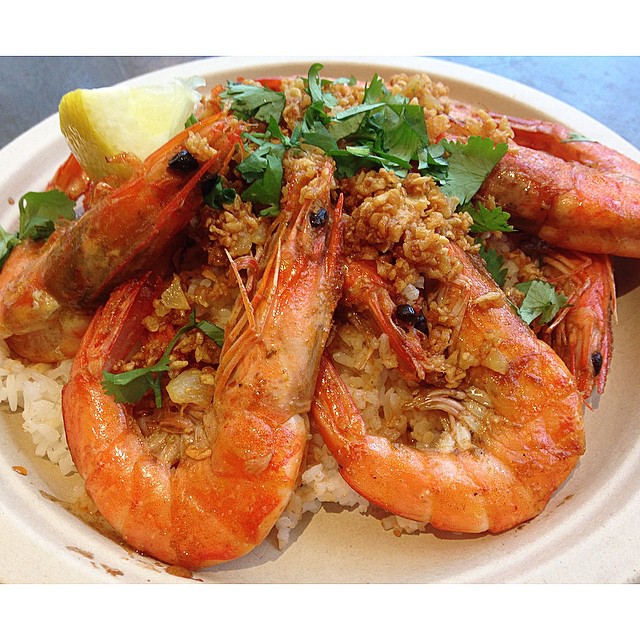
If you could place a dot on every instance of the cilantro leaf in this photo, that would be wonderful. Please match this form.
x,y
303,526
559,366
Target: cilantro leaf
x,y
469,165
251,101
215,195
212,331
191,120
541,301
576,137
39,211
485,220
405,131
38,214
494,263
7,242
263,169
129,386
319,99
319,136
432,161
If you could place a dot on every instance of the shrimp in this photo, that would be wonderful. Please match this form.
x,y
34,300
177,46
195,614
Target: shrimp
x,y
218,506
525,442
48,290
570,192
364,289
71,179
581,333
559,141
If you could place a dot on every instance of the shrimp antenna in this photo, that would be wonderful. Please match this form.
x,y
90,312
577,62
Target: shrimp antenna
x,y
248,307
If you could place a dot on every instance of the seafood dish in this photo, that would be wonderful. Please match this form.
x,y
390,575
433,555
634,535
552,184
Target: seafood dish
x,y
365,295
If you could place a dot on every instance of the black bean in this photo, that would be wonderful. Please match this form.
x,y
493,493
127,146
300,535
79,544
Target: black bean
x,y
183,162
318,218
421,324
406,313
596,361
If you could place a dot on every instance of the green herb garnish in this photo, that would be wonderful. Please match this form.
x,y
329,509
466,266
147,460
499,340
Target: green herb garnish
x,y
385,131
191,120
469,165
254,101
488,220
129,386
494,263
215,195
541,301
39,211
576,137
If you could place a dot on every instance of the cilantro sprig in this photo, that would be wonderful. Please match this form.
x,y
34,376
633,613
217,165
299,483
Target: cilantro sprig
x,y
129,386
488,220
39,211
541,301
469,164
254,101
495,264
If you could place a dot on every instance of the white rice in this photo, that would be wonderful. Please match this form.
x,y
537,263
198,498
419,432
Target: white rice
x,y
34,391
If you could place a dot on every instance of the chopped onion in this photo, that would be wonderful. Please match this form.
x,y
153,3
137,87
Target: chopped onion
x,y
188,388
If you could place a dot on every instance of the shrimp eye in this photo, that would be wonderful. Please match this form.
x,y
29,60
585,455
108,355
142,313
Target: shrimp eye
x,y
318,218
183,162
596,361
406,313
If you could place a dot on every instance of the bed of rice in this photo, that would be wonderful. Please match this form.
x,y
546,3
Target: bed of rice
x,y
34,392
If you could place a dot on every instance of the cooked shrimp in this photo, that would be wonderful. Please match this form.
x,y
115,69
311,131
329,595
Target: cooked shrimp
x,y
71,179
559,141
571,193
528,438
49,289
219,505
365,289
581,333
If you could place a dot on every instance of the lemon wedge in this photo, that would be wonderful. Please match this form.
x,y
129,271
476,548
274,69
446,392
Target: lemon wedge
x,y
99,124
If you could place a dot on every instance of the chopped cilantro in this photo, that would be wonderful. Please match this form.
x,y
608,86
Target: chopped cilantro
x,y
39,211
190,121
252,101
576,137
129,386
469,165
384,131
38,214
494,263
541,301
263,170
215,195
7,242
486,220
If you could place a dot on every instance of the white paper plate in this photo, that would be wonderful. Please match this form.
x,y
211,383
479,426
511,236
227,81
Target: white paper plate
x,y
590,531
